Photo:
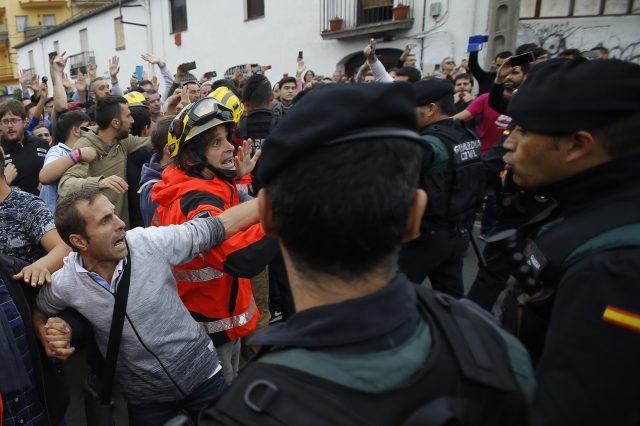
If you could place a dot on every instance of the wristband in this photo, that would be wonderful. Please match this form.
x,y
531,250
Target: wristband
x,y
75,156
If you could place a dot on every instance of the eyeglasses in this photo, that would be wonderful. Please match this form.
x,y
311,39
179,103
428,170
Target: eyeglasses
x,y
449,63
10,121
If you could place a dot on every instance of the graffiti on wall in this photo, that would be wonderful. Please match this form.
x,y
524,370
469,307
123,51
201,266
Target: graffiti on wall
x,y
555,36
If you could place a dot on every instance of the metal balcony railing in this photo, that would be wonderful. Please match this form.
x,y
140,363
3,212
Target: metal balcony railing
x,y
344,15
34,31
88,2
6,72
80,61
4,34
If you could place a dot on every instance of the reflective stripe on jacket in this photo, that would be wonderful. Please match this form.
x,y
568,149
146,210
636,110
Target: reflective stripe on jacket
x,y
215,286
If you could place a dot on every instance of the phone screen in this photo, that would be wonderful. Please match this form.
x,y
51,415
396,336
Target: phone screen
x,y
139,72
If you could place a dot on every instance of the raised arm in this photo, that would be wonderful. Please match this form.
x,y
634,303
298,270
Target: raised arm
x,y
59,92
381,75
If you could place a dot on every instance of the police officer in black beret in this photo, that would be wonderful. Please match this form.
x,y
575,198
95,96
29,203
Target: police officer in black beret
x,y
455,185
576,140
366,345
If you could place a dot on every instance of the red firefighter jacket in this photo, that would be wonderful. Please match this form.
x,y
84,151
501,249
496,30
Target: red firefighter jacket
x,y
215,285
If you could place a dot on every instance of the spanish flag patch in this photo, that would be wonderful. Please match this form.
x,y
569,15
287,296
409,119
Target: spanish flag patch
x,y
622,318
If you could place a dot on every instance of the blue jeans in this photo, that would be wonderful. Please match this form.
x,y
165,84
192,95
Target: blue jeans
x,y
158,413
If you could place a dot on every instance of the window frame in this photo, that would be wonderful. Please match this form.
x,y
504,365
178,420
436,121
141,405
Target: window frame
x,y
259,4
572,7
44,16
118,28
177,27
25,24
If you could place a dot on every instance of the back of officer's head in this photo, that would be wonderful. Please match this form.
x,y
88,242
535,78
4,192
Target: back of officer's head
x,y
341,171
562,97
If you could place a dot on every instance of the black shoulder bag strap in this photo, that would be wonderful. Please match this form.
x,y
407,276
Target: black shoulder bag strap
x,y
115,334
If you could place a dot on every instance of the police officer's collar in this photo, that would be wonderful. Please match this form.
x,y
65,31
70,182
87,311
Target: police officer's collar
x,y
375,322
602,180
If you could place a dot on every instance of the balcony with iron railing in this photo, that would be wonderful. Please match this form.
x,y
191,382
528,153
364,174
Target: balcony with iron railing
x,y
357,18
39,4
35,30
88,3
4,35
6,72
80,61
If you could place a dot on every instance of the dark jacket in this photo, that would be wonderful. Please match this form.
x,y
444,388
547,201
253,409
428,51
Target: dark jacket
x,y
589,367
52,390
150,174
484,78
355,331
28,157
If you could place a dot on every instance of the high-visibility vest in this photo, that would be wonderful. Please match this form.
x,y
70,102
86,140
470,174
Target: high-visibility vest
x,y
217,292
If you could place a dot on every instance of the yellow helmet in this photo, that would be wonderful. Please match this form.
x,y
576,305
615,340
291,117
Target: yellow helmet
x,y
194,119
226,97
136,99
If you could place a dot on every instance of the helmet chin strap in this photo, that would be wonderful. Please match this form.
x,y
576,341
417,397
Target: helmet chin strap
x,y
222,173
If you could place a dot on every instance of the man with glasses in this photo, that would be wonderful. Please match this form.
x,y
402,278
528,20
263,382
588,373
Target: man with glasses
x,y
447,69
23,155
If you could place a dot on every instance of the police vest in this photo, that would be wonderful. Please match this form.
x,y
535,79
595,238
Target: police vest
x,y
257,125
613,223
464,381
456,193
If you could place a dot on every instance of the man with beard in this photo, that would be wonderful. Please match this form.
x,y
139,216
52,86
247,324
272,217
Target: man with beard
x,y
492,124
23,155
111,139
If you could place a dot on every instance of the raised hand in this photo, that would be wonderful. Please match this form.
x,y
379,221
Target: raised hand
x,y
59,63
92,70
114,67
152,59
81,82
301,67
244,161
35,82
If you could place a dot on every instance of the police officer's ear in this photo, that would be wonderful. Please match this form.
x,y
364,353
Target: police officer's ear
x,y
418,206
266,213
581,145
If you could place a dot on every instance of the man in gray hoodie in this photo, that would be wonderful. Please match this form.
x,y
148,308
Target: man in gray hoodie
x,y
166,361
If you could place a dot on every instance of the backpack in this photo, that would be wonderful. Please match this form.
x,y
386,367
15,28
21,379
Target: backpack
x,y
464,381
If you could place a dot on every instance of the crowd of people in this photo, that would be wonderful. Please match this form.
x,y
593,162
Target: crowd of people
x,y
236,252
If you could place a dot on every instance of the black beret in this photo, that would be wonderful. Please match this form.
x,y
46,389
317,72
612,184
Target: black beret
x,y
339,113
432,90
252,84
562,96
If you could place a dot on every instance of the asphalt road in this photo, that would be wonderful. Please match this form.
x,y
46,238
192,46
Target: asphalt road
x,y
76,368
